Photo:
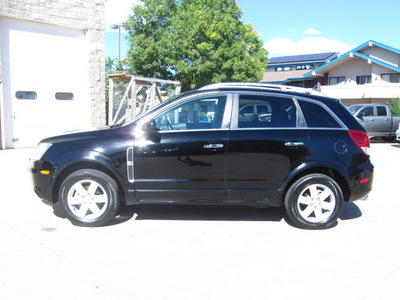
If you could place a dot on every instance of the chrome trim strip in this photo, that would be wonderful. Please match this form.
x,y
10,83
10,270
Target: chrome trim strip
x,y
193,130
287,128
129,165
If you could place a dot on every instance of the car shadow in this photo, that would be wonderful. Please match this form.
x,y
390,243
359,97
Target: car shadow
x,y
216,213
198,213
396,146
211,213
350,211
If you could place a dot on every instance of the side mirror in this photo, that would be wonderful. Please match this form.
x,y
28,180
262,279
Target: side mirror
x,y
150,126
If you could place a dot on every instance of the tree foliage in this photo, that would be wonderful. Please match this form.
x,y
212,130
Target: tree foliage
x,y
395,106
194,41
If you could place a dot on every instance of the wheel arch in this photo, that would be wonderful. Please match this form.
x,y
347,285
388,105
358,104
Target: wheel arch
x,y
80,165
330,171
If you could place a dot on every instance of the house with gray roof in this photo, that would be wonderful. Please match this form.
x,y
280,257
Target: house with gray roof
x,y
290,70
370,73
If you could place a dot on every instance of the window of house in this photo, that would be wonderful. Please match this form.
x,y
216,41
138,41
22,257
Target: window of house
x,y
317,116
64,96
304,67
280,69
364,79
205,113
391,78
266,112
336,80
26,95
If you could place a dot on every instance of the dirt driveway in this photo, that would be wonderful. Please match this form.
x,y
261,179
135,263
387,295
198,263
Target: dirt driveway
x,y
188,252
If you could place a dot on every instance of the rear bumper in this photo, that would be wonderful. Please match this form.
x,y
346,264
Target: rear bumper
x,y
363,183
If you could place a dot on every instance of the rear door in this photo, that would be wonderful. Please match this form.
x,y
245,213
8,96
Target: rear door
x,y
263,150
383,120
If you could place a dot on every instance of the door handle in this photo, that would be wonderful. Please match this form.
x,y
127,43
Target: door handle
x,y
294,144
213,146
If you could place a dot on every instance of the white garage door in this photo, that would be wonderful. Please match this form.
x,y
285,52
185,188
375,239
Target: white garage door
x,y
45,81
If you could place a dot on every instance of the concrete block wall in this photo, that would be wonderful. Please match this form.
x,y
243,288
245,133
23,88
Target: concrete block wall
x,y
88,15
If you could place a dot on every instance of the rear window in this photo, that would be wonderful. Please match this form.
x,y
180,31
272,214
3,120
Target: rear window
x,y
317,116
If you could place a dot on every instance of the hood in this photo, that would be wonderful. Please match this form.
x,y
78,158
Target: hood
x,y
70,136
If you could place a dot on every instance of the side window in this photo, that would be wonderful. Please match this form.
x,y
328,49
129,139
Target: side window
x,y
381,111
205,113
366,112
316,116
266,112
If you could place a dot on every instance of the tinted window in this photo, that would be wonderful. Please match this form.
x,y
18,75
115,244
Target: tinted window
x,y
381,111
28,95
317,116
269,112
206,113
64,96
366,112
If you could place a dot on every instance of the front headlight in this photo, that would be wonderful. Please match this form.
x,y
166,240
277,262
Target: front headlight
x,y
40,150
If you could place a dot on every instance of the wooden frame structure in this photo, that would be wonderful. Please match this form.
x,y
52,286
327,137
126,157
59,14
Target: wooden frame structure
x,y
140,95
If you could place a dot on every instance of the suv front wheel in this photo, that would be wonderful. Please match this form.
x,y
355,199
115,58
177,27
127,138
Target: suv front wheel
x,y
314,201
89,198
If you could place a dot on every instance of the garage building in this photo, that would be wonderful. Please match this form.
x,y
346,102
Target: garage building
x,y
52,69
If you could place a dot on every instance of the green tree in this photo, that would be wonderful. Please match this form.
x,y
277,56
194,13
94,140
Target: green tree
x,y
395,106
194,41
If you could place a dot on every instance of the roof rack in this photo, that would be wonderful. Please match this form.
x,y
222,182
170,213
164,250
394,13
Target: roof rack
x,y
265,86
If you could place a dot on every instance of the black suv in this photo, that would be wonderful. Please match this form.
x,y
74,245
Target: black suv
x,y
231,143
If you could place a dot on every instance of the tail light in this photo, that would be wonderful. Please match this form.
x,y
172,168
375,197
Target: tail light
x,y
361,139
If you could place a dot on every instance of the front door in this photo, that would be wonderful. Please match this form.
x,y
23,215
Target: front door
x,y
185,158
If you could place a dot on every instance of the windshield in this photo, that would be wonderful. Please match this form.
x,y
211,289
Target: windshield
x,y
354,108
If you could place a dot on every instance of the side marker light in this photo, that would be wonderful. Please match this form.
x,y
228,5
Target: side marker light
x,y
45,172
364,180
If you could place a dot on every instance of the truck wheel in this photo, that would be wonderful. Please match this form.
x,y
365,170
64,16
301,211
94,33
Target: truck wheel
x,y
89,198
388,138
314,201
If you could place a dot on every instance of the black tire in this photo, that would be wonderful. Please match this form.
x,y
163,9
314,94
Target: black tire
x,y
307,209
89,198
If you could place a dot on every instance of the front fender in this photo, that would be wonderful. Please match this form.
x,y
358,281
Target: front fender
x,y
80,157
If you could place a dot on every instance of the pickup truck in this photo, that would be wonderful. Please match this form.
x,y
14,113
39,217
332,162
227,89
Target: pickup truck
x,y
377,119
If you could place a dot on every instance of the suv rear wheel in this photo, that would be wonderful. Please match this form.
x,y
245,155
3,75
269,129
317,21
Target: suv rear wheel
x,y
314,201
89,198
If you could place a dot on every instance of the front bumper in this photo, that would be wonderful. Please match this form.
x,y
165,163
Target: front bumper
x,y
42,184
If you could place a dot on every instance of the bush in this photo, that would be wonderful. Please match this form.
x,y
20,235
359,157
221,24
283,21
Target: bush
x,y
395,106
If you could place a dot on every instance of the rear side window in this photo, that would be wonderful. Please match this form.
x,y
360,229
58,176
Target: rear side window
x,y
317,116
381,111
256,111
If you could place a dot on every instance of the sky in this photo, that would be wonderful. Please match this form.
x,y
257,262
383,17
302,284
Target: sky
x,y
290,27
